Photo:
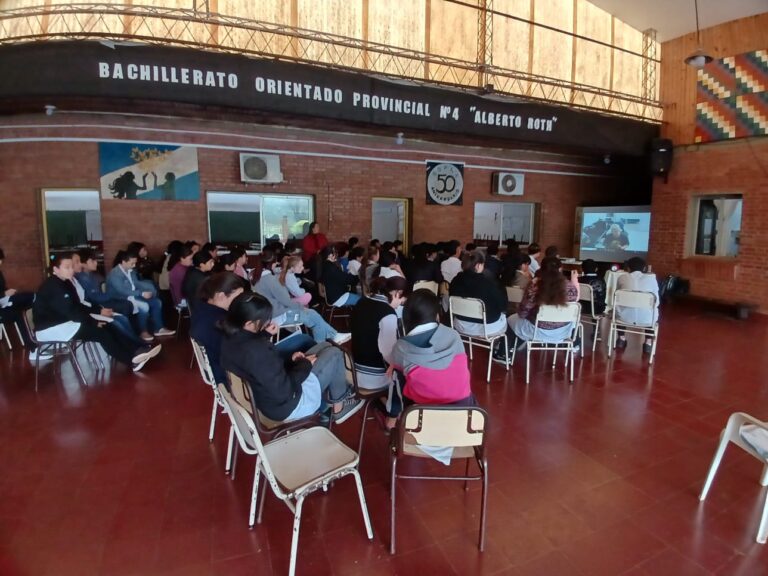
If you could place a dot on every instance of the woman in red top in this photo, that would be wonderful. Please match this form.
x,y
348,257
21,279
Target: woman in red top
x,y
313,242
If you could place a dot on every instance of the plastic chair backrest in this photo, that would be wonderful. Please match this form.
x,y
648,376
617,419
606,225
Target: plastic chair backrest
x,y
203,363
514,294
586,295
570,312
430,285
454,426
240,392
239,418
634,299
467,307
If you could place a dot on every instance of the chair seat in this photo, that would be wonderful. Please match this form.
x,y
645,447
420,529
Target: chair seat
x,y
366,393
306,457
411,448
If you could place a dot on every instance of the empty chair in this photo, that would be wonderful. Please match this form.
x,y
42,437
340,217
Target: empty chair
x,y
430,285
585,295
295,466
751,435
568,313
475,308
645,304
207,374
458,432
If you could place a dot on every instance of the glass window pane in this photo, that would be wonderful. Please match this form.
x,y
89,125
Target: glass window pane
x,y
234,218
517,222
286,217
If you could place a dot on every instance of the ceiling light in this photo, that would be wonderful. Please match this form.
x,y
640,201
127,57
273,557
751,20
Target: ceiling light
x,y
699,58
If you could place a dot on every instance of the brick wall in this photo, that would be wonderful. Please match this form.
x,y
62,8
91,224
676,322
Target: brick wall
x,y
342,187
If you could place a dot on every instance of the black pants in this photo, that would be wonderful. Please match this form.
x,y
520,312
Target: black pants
x,y
115,344
20,302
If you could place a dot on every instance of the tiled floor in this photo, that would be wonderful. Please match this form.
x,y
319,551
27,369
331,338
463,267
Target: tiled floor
x,y
599,478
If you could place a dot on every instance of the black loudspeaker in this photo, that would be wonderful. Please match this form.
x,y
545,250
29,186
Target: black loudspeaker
x,y
661,156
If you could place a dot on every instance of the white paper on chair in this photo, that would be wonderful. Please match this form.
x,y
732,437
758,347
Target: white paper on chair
x,y
442,454
756,437
101,318
5,301
59,333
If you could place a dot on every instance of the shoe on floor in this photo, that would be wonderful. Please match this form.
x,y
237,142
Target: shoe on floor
x,y
147,337
499,357
141,359
42,356
165,332
350,407
576,348
621,343
342,337
647,348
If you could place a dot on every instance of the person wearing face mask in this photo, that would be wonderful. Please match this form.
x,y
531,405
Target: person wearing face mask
x,y
202,264
60,316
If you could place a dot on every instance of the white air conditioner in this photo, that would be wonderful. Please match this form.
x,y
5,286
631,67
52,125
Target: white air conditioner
x,y
260,169
508,184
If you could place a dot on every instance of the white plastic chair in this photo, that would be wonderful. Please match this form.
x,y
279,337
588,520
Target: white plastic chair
x,y
295,466
640,301
430,285
569,313
738,423
207,375
514,294
69,347
586,295
5,337
475,309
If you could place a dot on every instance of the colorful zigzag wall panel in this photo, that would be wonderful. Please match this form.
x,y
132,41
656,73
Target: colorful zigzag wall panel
x,y
732,98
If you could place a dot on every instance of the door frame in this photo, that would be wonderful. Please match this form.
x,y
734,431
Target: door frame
x,y
407,215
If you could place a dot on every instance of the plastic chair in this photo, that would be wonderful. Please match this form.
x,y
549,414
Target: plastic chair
x,y
462,428
474,308
329,308
206,373
514,294
586,295
738,423
430,285
295,466
640,301
570,313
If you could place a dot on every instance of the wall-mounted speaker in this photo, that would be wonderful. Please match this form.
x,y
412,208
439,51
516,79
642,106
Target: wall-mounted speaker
x,y
661,156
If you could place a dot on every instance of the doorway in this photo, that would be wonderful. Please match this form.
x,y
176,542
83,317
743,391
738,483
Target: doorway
x,y
390,220
71,221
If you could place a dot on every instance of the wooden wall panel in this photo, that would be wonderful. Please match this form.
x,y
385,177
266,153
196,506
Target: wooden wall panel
x,y
678,81
593,61
275,11
453,33
627,68
553,52
343,17
402,28
511,38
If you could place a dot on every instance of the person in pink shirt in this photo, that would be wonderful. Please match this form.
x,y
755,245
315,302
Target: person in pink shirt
x,y
178,266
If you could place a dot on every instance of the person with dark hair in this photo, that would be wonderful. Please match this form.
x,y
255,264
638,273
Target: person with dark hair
x,y
510,262
523,275
145,268
336,281
388,267
216,295
212,249
370,269
534,251
470,247
550,288
390,254
375,243
423,267
193,245
356,256
638,278
431,356
342,254
353,241
452,265
311,246
59,316
12,305
172,251
283,390
398,249
125,187
179,266
239,258
551,252
123,284
590,277
492,262
202,264
472,283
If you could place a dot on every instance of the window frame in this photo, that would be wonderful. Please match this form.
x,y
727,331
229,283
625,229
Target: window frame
x,y
694,219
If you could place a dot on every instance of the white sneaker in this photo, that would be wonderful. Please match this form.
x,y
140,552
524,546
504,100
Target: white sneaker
x,y
165,332
35,355
141,359
342,337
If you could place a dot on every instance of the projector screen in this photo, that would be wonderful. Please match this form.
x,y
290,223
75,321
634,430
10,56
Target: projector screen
x,y
615,233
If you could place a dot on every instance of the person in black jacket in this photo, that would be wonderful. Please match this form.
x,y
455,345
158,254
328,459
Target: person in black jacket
x,y
12,305
336,281
202,264
589,267
282,390
59,315
472,283
423,267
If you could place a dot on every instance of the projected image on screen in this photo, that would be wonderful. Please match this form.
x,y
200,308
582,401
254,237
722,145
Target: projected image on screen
x,y
615,234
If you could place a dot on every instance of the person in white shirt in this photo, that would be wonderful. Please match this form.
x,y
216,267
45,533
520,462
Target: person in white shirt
x,y
637,279
534,251
356,256
451,266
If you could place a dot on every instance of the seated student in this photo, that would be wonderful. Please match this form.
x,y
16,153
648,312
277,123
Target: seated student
x,y
337,282
423,267
212,249
288,311
59,315
342,254
173,249
389,252
470,247
374,319
523,274
145,268
452,265
492,262
375,243
387,265
240,259
398,248
179,266
12,305
551,252
88,278
216,295
123,284
590,277
550,288
510,262
431,356
289,268
472,283
534,252
202,264
283,390
638,279
193,246
353,242
356,256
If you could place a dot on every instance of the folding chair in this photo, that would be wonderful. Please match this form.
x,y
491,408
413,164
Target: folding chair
x,y
295,466
474,308
569,313
206,373
56,347
432,286
183,311
751,435
641,301
514,297
329,308
461,428
5,337
586,295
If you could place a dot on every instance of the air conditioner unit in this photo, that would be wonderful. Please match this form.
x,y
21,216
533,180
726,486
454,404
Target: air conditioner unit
x,y
508,184
260,169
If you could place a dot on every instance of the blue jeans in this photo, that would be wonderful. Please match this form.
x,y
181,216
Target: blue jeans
x,y
352,299
297,343
321,330
123,326
153,316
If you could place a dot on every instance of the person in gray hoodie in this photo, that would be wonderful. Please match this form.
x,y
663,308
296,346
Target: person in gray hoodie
x,y
287,310
431,355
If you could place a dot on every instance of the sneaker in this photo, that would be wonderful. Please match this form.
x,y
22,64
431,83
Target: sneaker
x,y
342,337
647,348
165,332
35,355
500,358
141,359
147,337
350,407
576,348
621,343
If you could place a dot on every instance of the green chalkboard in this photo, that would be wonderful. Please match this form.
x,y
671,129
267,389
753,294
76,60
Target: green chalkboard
x,y
235,227
66,228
